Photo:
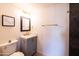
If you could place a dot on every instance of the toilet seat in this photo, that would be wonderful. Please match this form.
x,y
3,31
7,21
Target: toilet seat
x,y
17,54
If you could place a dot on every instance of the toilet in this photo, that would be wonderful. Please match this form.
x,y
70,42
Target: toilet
x,y
10,49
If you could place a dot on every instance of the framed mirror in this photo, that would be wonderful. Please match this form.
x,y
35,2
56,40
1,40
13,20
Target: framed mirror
x,y
25,24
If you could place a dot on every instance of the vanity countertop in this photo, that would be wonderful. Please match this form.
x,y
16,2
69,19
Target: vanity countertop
x,y
28,36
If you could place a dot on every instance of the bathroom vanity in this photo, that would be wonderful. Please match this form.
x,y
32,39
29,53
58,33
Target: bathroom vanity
x,y
28,44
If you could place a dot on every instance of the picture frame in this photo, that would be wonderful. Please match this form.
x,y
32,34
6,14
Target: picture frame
x,y
25,24
8,21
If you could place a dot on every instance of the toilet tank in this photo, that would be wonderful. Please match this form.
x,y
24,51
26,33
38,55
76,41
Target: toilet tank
x,y
8,48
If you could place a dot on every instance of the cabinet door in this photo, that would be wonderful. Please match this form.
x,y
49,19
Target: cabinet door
x,y
32,45
23,46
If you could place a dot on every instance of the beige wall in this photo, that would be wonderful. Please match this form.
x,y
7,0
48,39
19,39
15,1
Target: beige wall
x,y
10,33
48,38
51,40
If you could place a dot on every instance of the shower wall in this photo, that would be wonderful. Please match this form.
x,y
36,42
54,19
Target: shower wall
x,y
52,40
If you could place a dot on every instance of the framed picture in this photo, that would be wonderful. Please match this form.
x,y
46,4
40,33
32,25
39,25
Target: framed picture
x,y
25,24
8,21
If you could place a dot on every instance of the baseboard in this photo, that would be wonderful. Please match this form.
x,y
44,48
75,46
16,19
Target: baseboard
x,y
40,54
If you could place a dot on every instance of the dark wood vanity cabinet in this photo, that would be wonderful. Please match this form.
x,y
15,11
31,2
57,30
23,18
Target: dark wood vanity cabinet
x,y
28,45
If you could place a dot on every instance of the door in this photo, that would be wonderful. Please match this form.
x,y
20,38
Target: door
x,y
74,30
